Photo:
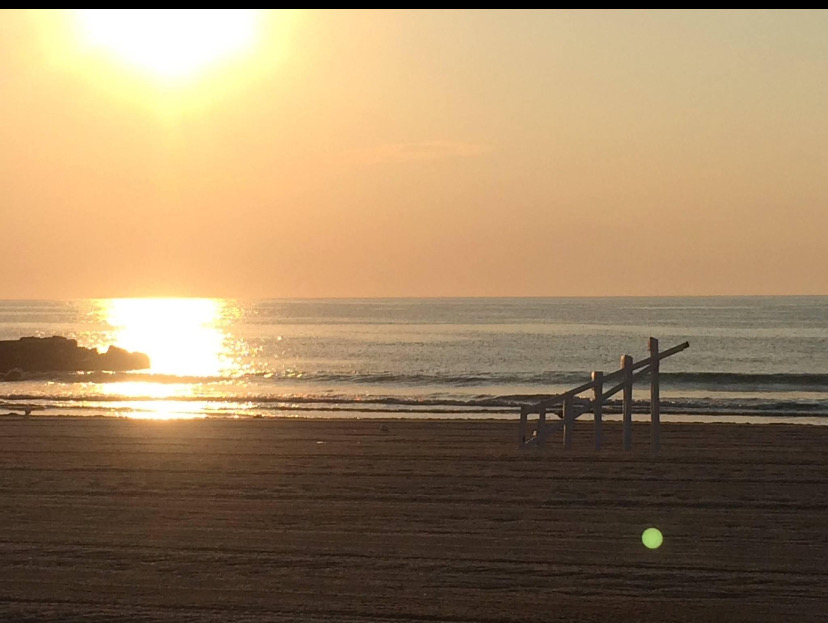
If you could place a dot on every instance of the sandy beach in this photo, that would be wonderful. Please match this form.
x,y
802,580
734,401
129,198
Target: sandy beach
x,y
291,520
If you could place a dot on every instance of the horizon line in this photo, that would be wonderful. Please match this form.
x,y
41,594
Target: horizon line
x,y
412,297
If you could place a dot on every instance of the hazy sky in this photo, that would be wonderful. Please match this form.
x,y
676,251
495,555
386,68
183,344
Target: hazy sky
x,y
427,153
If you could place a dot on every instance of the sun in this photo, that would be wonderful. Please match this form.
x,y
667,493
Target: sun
x,y
170,43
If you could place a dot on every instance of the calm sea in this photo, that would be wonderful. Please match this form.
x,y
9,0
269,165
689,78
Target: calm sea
x,y
766,358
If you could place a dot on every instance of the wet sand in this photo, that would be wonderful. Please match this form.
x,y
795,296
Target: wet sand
x,y
254,520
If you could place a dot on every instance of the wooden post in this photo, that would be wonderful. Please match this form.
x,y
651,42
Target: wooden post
x,y
655,405
541,426
627,365
568,422
598,405
524,416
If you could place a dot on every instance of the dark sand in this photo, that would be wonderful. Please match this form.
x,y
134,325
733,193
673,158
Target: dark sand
x,y
113,520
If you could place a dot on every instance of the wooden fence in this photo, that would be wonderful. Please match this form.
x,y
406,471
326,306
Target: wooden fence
x,y
568,406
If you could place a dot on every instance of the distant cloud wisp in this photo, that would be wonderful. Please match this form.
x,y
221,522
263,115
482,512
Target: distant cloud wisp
x,y
410,152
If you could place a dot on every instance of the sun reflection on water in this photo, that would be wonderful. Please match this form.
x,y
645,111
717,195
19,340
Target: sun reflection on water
x,y
186,338
183,337
165,410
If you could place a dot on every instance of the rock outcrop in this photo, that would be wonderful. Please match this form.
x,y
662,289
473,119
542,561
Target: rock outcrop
x,y
60,354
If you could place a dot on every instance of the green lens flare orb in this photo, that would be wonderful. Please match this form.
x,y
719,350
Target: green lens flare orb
x,y
652,538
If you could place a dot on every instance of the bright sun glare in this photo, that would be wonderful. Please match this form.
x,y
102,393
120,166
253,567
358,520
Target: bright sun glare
x,y
171,43
181,336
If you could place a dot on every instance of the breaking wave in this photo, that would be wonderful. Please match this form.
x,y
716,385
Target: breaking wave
x,y
729,381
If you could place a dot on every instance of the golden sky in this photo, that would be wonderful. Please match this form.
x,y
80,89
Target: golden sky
x,y
426,153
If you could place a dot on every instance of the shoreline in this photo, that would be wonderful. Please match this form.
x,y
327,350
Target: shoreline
x,y
378,416
407,520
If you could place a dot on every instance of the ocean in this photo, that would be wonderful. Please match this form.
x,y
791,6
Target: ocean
x,y
762,359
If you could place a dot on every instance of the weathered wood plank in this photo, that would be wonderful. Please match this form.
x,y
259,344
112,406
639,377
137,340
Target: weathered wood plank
x,y
541,435
597,405
617,388
524,418
568,422
558,399
655,404
627,366
649,360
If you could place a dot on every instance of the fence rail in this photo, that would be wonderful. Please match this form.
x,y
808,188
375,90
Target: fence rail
x,y
573,406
